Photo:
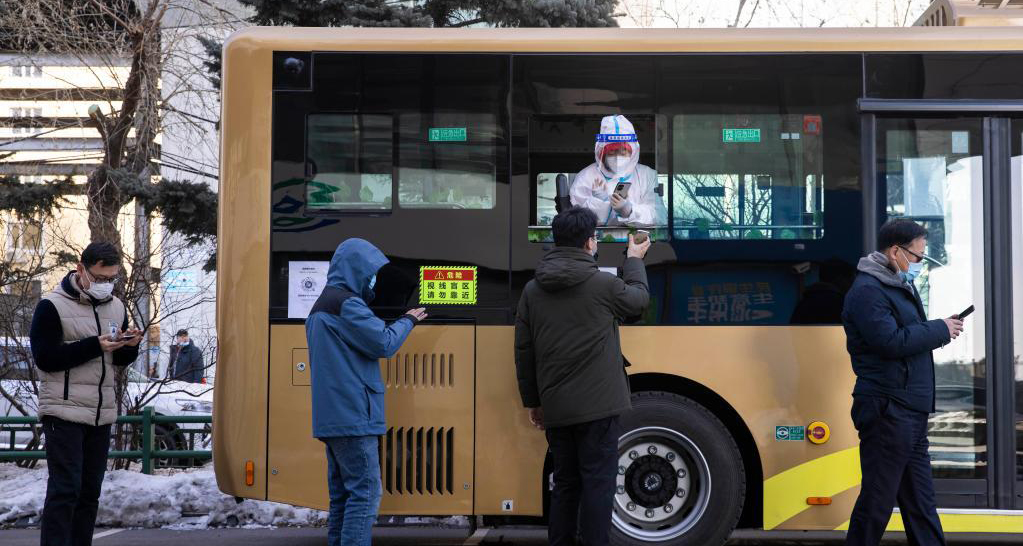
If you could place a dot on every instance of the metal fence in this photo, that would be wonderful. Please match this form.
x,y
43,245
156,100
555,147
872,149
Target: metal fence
x,y
147,420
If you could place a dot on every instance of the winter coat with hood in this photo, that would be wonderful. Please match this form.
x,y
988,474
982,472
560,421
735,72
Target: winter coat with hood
x,y
889,337
76,379
346,341
568,355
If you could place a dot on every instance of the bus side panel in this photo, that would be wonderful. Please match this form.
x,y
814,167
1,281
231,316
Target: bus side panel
x,y
778,376
426,455
239,402
510,452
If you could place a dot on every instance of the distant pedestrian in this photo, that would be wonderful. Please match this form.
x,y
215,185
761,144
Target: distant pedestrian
x,y
346,341
571,372
80,338
186,363
890,342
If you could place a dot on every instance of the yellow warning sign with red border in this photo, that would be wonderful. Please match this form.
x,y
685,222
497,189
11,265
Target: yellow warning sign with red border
x,y
444,285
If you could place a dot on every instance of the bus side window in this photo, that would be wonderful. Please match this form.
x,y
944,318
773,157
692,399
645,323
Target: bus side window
x,y
349,162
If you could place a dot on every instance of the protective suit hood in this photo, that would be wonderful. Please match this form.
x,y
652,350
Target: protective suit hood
x,y
355,261
616,131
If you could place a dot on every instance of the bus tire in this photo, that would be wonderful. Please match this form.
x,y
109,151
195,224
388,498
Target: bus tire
x,y
681,478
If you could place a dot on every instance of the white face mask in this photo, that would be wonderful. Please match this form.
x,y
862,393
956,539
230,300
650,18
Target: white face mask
x,y
99,290
372,282
616,163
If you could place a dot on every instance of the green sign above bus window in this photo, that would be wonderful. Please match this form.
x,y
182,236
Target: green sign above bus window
x,y
447,134
740,135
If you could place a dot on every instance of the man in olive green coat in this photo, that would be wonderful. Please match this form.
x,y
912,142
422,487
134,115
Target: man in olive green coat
x,y
571,372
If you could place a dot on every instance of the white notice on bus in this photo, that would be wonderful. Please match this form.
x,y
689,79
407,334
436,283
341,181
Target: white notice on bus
x,y
305,282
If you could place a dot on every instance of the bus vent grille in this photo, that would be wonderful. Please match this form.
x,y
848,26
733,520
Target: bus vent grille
x,y
417,461
420,370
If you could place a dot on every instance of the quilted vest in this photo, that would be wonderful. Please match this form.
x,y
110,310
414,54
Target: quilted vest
x,y
84,394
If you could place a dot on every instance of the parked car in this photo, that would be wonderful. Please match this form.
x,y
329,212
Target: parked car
x,y
19,380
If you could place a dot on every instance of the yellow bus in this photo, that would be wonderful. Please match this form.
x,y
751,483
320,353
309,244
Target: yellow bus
x,y
778,154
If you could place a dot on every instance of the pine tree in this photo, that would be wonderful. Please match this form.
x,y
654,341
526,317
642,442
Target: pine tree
x,y
423,13
434,13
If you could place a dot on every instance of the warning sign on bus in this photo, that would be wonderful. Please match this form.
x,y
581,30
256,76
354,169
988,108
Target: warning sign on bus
x,y
447,285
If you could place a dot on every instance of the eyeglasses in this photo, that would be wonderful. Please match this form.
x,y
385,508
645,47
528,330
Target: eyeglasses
x,y
923,257
103,279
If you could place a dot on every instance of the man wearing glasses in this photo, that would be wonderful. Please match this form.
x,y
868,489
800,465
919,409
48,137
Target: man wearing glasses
x,y
79,338
890,341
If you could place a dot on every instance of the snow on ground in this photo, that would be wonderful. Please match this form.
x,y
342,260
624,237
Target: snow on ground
x,y
186,499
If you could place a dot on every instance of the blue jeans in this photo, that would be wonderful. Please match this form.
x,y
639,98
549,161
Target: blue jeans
x,y
353,474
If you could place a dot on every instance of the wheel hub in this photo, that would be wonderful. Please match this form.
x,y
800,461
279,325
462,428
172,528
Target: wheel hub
x,y
663,484
651,481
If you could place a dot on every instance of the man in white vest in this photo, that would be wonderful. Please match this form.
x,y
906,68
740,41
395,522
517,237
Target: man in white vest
x,y
79,337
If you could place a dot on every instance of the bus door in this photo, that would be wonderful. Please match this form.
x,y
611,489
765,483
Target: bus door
x,y
949,170
408,152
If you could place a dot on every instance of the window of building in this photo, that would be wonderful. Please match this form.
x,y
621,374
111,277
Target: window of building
x,y
23,71
25,237
22,113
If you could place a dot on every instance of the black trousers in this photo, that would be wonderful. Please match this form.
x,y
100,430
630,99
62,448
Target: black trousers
x,y
585,458
76,458
896,467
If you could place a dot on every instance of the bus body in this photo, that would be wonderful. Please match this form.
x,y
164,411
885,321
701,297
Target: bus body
x,y
778,155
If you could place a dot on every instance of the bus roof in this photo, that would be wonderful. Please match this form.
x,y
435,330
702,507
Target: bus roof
x,y
623,40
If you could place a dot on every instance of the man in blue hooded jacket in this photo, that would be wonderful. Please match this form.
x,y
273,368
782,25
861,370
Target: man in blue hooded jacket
x,y
346,341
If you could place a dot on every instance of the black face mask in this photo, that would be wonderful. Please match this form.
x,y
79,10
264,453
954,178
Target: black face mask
x,y
596,256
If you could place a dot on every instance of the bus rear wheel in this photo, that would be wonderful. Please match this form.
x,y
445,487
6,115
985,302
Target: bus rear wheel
x,y
680,475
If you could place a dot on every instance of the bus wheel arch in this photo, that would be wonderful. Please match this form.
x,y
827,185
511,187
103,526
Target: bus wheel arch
x,y
752,511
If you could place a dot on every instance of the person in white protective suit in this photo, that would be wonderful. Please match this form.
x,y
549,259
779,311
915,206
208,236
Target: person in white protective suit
x,y
617,188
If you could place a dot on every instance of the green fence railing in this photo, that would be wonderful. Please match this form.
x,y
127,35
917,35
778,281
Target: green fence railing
x,y
147,420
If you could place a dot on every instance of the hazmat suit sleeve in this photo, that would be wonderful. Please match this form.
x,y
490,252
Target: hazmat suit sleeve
x,y
647,207
583,195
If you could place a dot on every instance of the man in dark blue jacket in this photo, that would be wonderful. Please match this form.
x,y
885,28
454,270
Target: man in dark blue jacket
x,y
346,341
890,341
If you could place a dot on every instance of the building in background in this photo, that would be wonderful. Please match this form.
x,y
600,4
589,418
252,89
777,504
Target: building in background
x,y
45,135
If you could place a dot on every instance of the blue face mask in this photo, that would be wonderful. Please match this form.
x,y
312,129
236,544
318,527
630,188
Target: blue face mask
x,y
914,271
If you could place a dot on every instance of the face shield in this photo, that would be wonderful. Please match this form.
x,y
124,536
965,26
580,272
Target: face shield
x,y
617,147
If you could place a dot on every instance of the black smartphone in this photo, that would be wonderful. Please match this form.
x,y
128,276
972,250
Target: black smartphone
x,y
966,312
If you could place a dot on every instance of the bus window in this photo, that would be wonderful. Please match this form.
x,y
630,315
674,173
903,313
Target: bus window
x,y
562,159
934,174
350,161
447,162
747,177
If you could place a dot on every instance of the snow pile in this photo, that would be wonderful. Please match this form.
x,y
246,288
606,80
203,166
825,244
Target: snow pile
x,y
21,492
181,500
